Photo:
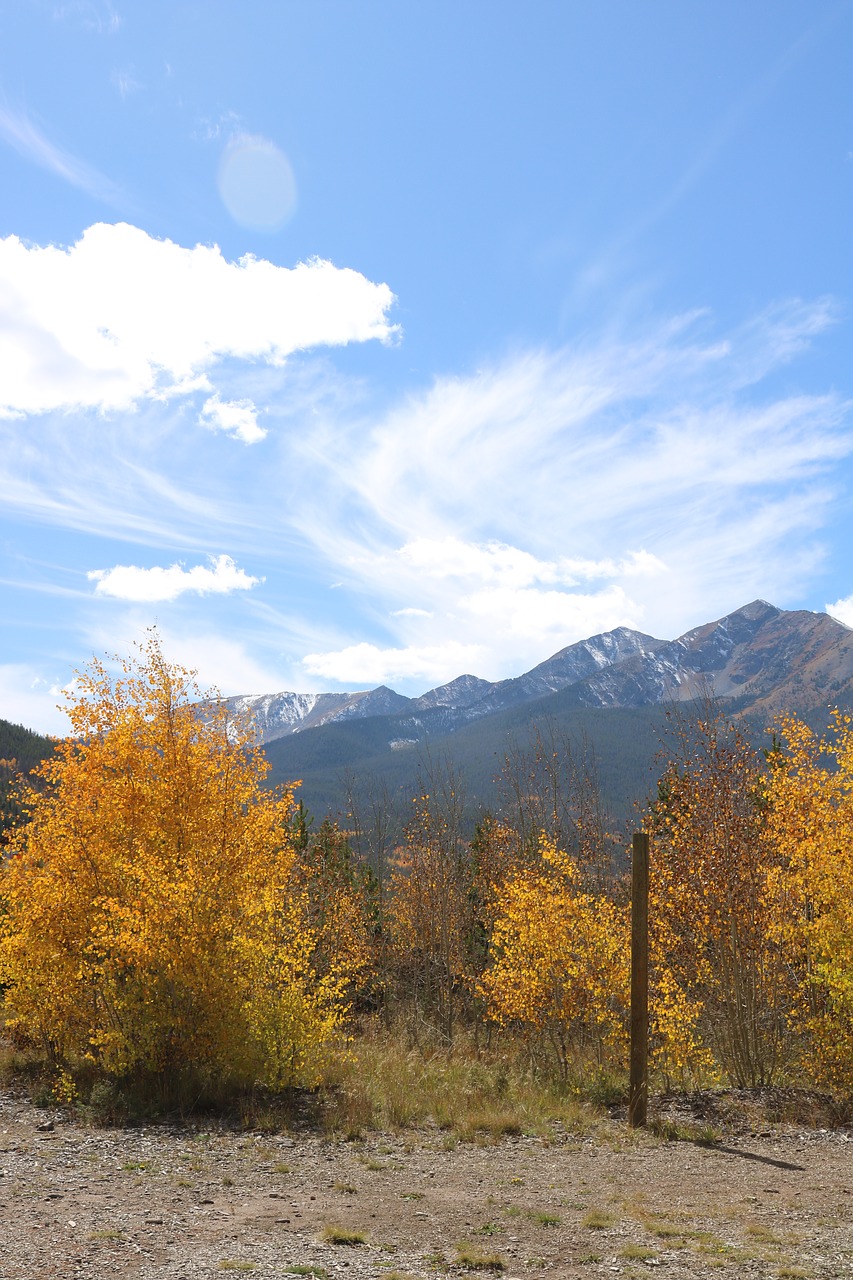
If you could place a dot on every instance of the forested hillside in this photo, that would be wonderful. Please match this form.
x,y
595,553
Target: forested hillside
x,y
20,751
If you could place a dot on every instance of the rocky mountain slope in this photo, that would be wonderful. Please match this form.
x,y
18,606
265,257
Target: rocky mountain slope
x,y
766,658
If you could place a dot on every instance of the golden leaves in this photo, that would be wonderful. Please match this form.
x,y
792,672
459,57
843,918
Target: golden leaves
x,y
149,911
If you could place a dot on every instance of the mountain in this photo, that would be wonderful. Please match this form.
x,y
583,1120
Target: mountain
x,y
606,696
274,715
767,659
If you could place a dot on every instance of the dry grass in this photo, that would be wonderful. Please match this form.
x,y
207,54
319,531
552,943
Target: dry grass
x,y
598,1220
343,1235
473,1259
475,1097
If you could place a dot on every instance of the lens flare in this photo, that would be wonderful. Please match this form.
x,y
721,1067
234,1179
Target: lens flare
x,y
256,183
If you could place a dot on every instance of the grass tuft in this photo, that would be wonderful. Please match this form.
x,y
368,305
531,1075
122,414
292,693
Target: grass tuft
x,y
598,1220
343,1235
473,1259
636,1253
703,1135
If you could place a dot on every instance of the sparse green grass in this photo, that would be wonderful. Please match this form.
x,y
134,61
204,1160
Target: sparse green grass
x,y
281,1168
235,1264
712,1247
636,1253
473,1259
411,1195
306,1269
343,1235
789,1271
598,1220
702,1135
547,1219
590,1257
489,1229
760,1234
136,1166
105,1235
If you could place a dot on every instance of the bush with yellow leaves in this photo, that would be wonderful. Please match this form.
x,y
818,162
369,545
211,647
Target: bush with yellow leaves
x,y
150,918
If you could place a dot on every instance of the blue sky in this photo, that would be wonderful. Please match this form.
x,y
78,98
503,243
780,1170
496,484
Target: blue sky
x,y
377,342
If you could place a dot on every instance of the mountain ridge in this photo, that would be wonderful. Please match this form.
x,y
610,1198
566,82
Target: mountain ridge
x,y
767,658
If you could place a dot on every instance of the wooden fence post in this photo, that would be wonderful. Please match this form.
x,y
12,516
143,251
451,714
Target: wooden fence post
x,y
638,1095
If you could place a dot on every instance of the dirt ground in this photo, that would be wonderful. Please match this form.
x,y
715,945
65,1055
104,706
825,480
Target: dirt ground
x,y
185,1203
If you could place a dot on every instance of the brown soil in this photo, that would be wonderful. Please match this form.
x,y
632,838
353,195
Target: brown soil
x,y
762,1200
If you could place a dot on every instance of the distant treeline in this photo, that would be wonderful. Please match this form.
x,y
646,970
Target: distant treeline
x,y
20,751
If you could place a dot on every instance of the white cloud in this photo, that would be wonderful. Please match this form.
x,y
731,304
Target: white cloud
x,y
19,131
125,82
27,698
238,417
553,618
497,594
99,17
842,611
652,483
481,523
368,664
227,665
120,317
128,582
452,557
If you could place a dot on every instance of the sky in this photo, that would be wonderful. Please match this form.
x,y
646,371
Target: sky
x,y
358,343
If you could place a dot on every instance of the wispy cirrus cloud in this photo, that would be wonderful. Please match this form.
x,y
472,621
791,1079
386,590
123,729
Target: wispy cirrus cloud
x,y
18,130
486,520
95,15
645,482
129,582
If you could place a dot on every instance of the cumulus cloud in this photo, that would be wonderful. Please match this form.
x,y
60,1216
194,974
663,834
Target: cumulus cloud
x,y
842,611
371,665
129,582
238,418
557,617
498,562
121,316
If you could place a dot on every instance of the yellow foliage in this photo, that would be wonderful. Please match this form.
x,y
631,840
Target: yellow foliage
x,y
811,792
560,958
149,915
429,913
